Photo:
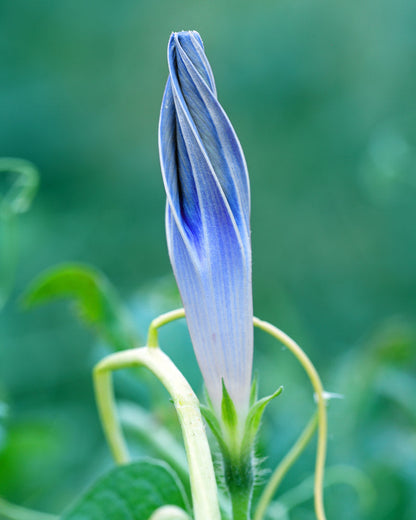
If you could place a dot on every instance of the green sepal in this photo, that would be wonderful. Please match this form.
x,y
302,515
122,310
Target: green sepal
x,y
214,426
228,412
253,420
254,390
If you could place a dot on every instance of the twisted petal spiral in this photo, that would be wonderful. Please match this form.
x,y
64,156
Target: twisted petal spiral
x,y
207,220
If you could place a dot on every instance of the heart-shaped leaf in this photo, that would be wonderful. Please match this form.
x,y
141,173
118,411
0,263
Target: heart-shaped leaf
x,y
131,492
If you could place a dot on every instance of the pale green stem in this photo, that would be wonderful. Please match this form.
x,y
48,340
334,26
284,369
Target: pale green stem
x,y
287,462
322,416
313,377
201,471
163,319
13,512
104,395
169,513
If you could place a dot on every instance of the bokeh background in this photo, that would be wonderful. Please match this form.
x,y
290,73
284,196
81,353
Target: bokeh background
x,y
321,95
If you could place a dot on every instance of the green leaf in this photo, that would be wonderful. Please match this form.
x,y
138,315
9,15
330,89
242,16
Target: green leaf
x,y
155,437
131,492
254,418
228,411
96,302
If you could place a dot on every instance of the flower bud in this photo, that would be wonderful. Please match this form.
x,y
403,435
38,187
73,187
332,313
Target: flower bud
x,y
207,221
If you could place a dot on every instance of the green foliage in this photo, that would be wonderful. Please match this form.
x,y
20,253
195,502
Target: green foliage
x,y
131,492
96,302
32,457
154,437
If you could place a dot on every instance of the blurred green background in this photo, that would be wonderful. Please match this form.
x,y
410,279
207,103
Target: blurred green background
x,y
321,95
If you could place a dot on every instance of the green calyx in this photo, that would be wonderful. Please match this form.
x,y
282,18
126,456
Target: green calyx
x,y
236,441
236,438
229,419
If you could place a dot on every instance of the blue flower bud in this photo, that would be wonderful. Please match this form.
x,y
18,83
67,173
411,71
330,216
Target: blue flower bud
x,y
207,220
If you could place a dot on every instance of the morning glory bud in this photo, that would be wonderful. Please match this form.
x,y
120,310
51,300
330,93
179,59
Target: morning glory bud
x,y
207,221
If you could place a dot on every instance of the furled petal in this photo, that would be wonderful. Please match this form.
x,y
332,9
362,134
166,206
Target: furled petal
x,y
207,220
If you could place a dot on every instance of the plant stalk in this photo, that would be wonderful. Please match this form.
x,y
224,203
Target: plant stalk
x,y
201,471
322,416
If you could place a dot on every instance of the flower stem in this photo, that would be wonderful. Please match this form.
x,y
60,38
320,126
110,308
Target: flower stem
x,y
201,471
104,395
313,377
239,480
240,503
163,319
322,417
287,462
